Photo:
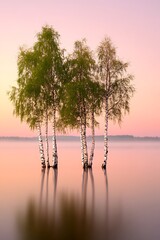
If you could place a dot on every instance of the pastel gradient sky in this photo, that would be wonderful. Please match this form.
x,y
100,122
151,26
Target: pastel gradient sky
x,y
133,26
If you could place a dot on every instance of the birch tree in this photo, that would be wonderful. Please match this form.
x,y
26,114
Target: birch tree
x,y
36,98
75,106
26,98
50,78
117,85
96,93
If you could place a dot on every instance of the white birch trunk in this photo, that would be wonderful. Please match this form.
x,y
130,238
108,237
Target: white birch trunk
x,y
41,148
106,135
82,144
55,155
84,151
107,85
85,163
47,142
93,140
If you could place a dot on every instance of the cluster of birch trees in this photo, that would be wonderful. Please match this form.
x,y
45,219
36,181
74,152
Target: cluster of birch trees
x,y
70,91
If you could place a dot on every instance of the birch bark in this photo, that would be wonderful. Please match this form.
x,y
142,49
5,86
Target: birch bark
x,y
47,141
106,134
93,140
41,148
85,164
55,155
84,143
84,140
107,85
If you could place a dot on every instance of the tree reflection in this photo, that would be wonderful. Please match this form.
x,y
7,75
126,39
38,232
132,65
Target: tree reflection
x,y
70,217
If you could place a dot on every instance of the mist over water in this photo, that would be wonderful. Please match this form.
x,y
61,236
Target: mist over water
x,y
69,203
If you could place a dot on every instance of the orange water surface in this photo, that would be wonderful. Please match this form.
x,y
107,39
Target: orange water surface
x,y
69,203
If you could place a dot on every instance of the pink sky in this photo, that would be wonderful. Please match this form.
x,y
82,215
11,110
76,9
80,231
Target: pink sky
x,y
133,27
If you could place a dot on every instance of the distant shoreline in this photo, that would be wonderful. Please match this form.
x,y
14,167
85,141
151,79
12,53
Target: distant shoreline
x,y
76,138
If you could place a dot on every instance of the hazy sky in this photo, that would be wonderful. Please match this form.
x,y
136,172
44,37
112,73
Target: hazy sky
x,y
133,26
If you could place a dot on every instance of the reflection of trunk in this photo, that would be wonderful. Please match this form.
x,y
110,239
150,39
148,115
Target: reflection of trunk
x,y
55,178
47,185
93,196
44,190
55,156
41,149
84,191
107,199
93,139
93,187
84,188
106,134
41,191
46,139
106,183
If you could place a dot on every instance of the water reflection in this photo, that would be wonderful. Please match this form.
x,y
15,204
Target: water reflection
x,y
68,216
85,183
111,226
106,188
44,190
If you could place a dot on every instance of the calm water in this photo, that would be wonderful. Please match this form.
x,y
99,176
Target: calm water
x,y
122,203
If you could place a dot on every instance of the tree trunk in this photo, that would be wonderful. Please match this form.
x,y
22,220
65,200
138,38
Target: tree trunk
x,y
82,144
55,156
41,149
106,134
47,142
84,140
93,140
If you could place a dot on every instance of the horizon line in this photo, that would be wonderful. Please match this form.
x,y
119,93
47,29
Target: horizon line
x,y
71,137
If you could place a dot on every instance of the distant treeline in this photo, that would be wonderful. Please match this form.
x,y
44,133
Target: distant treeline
x,y
76,138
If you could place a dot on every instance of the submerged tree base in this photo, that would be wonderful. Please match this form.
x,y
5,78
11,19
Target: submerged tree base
x,y
85,165
90,165
55,166
43,165
104,166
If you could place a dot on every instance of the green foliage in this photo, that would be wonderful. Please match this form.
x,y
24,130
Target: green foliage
x,y
75,86
117,83
81,93
39,75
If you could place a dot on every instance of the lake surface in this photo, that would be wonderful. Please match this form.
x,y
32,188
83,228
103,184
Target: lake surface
x,y
122,203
